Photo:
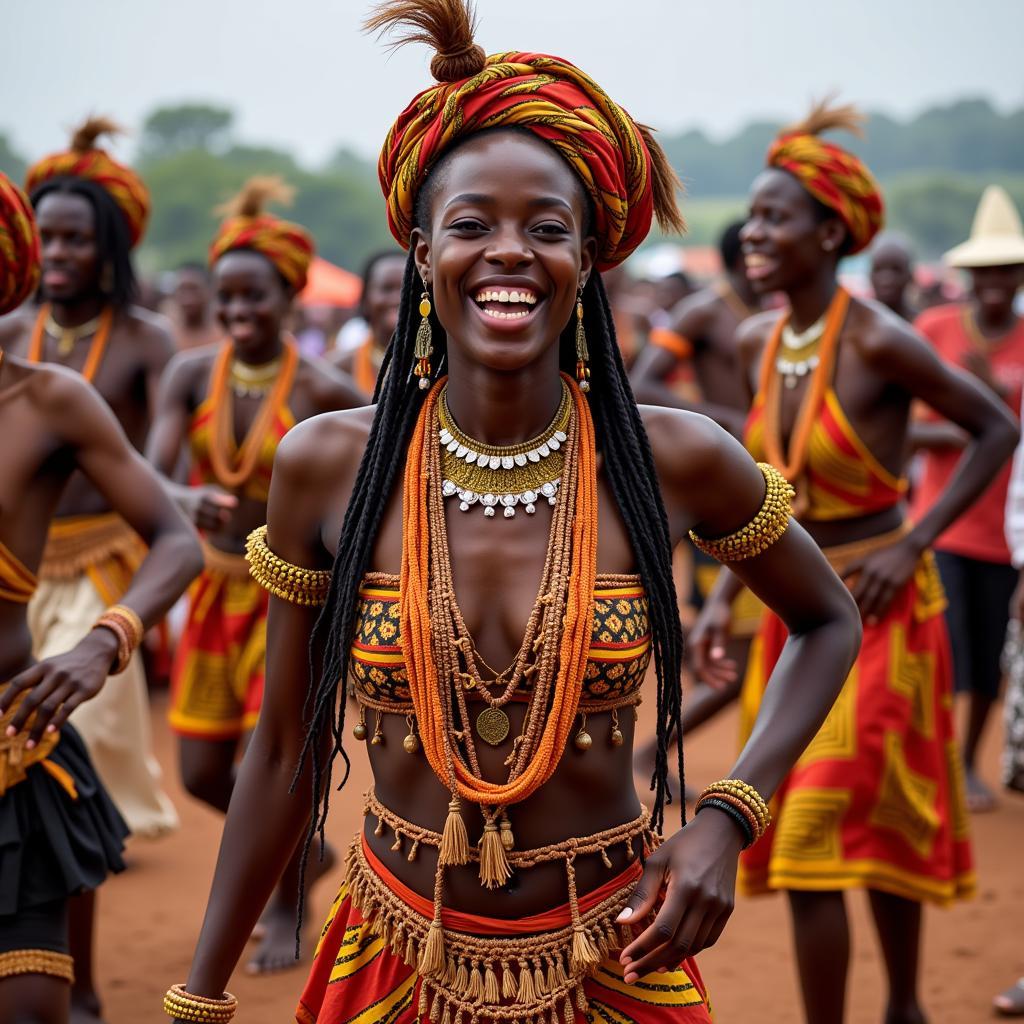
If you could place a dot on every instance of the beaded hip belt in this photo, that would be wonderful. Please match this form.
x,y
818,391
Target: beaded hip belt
x,y
536,978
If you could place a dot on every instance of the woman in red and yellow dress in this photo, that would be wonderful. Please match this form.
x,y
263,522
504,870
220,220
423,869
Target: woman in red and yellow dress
x,y
876,800
231,405
486,554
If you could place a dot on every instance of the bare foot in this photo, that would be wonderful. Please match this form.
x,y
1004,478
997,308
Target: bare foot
x,y
276,927
85,1008
1011,1002
980,799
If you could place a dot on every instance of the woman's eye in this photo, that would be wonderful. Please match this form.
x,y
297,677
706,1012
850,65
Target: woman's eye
x,y
467,224
552,228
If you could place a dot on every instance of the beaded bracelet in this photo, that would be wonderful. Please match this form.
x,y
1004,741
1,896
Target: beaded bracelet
x,y
293,583
763,530
736,815
182,1005
126,625
744,799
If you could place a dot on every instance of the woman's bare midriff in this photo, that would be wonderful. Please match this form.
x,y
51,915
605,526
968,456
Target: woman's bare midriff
x,y
589,792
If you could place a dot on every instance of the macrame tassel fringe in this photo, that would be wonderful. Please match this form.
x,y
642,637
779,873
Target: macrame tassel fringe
x,y
526,994
494,869
432,962
492,994
508,982
584,952
454,839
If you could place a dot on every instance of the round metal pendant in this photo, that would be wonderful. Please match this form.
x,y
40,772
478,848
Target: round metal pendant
x,y
492,726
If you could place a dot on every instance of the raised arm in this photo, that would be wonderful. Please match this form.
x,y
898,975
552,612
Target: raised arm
x,y
659,358
251,860
713,487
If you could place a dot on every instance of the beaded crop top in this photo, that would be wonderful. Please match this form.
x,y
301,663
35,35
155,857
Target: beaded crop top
x,y
620,645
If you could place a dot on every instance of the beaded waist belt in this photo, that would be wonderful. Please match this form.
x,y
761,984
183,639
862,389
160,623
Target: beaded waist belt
x,y
77,543
532,978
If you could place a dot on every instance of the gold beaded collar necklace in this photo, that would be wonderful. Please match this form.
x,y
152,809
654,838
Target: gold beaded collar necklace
x,y
502,475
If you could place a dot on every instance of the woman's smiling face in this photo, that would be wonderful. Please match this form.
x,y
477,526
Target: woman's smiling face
x,y
504,251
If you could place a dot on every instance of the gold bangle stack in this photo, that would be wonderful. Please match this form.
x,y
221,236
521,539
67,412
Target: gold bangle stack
x,y
127,627
742,796
182,1005
293,583
37,961
763,530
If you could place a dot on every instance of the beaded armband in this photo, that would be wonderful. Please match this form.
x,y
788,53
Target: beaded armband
x,y
763,530
293,583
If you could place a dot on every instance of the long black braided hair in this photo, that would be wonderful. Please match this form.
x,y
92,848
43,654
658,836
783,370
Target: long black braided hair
x,y
628,467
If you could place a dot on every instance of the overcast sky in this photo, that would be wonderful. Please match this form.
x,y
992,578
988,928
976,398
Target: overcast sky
x,y
299,73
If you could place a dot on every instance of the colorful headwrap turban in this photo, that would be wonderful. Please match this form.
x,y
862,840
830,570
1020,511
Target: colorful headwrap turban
x,y
19,247
85,160
247,226
833,175
623,170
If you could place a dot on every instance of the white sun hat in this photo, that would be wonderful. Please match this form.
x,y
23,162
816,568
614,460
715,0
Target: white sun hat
x,y
997,237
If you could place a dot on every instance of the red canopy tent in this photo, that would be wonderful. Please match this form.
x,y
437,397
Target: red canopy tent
x,y
329,285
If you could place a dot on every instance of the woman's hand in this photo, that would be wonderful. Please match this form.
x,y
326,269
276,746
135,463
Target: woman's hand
x,y
208,506
707,645
876,579
58,685
693,876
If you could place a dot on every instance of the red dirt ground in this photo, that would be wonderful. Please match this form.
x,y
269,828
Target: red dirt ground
x,y
150,916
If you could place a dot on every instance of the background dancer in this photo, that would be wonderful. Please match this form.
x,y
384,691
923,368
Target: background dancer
x,y
232,405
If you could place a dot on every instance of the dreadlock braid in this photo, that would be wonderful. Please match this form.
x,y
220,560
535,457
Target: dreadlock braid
x,y
629,467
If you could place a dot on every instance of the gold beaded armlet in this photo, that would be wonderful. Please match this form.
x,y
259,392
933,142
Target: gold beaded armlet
x,y
293,583
763,530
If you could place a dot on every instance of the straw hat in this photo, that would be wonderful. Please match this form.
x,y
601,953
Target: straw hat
x,y
997,237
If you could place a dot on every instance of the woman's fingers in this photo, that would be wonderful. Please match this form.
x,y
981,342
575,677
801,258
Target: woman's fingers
x,y
47,708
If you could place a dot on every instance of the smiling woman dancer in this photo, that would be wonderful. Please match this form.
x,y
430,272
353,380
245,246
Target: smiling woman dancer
x,y
231,404
504,840
60,834
876,801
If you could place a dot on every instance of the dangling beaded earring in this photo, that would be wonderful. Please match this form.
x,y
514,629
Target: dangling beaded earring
x,y
424,336
582,353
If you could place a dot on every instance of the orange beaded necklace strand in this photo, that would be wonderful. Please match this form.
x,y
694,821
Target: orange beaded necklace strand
x,y
96,349
793,463
561,622
233,464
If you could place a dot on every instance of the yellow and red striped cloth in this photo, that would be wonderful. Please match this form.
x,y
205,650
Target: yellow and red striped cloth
x,y
19,247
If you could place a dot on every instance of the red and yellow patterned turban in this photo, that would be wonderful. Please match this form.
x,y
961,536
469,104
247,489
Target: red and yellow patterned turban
x,y
19,247
833,175
622,168
85,160
247,226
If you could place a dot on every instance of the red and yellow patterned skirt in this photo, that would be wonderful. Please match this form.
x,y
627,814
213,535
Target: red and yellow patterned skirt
x,y
217,679
356,978
877,799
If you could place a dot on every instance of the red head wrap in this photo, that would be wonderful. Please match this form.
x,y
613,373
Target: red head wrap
x,y
19,247
622,168
833,175
85,160
288,246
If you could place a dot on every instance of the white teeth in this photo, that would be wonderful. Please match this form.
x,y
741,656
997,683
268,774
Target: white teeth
x,y
525,297
500,314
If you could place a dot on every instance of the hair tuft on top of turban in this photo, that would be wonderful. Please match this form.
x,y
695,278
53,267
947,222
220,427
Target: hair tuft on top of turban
x,y
247,225
624,171
85,159
19,247
833,175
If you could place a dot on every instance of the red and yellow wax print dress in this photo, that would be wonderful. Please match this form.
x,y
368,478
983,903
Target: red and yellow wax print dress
x,y
357,974
876,800
218,674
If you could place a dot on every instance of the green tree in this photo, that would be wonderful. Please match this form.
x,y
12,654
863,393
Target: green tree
x,y
174,129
